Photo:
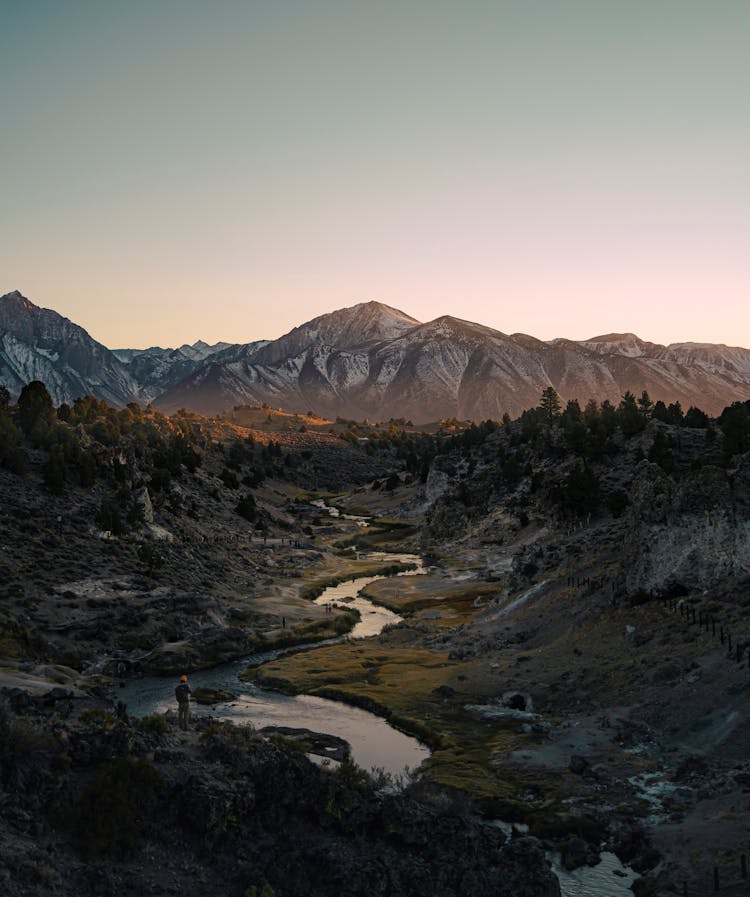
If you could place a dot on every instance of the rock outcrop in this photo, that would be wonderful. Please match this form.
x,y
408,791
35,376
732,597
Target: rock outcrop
x,y
99,804
688,534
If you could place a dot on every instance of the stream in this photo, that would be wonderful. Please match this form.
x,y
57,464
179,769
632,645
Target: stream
x,y
374,743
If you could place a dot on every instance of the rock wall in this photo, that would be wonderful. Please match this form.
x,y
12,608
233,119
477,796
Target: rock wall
x,y
691,534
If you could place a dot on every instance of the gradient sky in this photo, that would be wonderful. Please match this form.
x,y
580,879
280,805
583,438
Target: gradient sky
x,y
173,170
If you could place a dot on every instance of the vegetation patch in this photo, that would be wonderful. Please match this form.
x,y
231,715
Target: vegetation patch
x,y
315,589
154,725
212,696
420,592
105,820
402,684
314,631
380,535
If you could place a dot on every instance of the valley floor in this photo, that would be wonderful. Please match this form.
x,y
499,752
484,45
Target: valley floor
x,y
547,699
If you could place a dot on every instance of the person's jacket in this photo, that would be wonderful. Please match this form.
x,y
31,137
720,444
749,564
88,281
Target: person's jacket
x,y
182,693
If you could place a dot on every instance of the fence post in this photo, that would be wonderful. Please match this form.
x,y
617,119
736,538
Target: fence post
x,y
743,866
716,878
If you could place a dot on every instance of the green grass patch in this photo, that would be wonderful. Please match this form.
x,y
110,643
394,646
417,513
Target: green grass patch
x,y
316,631
382,533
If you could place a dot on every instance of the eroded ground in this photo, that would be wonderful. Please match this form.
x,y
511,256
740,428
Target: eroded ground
x,y
561,705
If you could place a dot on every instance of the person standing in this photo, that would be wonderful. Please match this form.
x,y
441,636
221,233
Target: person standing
x,y
182,693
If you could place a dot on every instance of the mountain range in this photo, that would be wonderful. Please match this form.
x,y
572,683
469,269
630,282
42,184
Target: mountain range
x,y
369,360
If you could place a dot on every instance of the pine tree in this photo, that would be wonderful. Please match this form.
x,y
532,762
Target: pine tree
x,y
631,420
36,412
550,404
645,405
11,440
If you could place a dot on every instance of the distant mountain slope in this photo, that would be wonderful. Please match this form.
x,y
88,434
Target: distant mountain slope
x,y
369,360
349,328
198,351
373,361
156,369
313,367
39,344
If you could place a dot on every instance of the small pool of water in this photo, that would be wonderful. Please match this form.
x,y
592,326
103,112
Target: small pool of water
x,y
607,879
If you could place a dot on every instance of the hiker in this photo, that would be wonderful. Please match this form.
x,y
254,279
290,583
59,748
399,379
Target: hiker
x,y
283,622
182,693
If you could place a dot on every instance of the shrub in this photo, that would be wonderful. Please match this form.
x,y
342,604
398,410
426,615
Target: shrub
x,y
11,440
617,501
229,479
109,517
153,725
246,508
25,753
105,820
98,716
150,557
54,472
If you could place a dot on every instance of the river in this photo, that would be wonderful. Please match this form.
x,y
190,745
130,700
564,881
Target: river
x,y
374,743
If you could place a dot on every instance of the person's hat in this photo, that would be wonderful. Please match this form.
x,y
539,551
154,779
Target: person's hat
x,y
183,678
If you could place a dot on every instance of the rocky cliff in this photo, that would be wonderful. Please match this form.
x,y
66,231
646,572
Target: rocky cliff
x,y
690,533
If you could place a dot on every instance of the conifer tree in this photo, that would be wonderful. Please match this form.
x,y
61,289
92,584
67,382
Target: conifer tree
x,y
550,404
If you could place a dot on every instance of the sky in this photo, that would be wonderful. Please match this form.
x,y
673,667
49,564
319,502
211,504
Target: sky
x,y
173,170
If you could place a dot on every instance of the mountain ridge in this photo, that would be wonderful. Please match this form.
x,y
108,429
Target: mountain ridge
x,y
366,360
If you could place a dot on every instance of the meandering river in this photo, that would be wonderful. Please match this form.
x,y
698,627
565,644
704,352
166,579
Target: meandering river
x,y
374,743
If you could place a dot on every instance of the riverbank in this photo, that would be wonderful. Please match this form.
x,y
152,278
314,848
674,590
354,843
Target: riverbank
x,y
595,724
96,803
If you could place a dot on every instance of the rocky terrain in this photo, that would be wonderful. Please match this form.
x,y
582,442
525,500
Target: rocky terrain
x,y
38,344
95,803
572,638
566,656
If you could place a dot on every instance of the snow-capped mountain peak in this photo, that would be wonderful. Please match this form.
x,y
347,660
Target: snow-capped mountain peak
x,y
370,360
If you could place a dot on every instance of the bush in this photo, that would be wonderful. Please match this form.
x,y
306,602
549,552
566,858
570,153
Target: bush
x,y
11,440
153,725
617,501
150,557
246,508
109,517
98,716
25,753
229,479
105,820
54,472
